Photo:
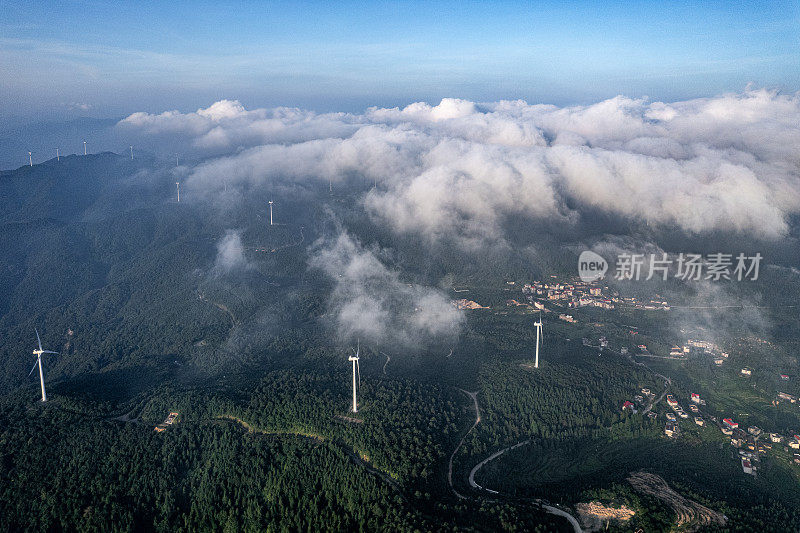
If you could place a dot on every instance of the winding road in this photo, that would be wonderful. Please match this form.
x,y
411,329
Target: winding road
x,y
474,396
549,508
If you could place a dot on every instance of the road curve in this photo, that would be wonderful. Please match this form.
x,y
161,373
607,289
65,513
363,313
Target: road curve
x,y
549,508
474,396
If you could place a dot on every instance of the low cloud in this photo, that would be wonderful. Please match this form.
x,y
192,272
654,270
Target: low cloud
x,y
461,170
371,302
230,254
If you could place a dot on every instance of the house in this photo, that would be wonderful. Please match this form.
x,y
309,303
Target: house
x,y
747,467
784,377
746,372
646,391
628,406
726,431
695,398
784,396
671,430
794,444
699,421
754,430
682,413
693,408
671,400
775,437
719,362
736,442
671,417
638,398
729,423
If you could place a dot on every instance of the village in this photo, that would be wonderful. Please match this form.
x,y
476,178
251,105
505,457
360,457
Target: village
x,y
750,443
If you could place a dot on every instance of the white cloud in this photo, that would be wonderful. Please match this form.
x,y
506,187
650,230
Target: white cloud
x,y
460,169
230,254
371,302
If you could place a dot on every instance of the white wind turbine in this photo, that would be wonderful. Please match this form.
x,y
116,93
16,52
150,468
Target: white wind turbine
x,y
84,147
38,353
58,157
30,158
270,212
356,368
178,185
538,325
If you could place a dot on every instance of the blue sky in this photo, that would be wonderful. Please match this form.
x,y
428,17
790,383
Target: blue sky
x,y
110,59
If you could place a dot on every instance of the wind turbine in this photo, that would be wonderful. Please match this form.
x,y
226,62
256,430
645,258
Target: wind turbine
x,y
38,353
84,147
538,325
178,185
58,157
30,158
270,212
131,152
356,368
176,160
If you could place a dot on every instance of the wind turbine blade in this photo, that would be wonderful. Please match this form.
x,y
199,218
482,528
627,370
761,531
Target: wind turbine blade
x,y
34,368
358,367
37,338
48,351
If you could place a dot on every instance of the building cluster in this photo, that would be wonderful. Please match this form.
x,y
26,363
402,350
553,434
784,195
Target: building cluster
x,y
573,294
695,347
654,304
467,304
166,423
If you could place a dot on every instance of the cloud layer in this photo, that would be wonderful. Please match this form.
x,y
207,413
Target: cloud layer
x,y
461,170
371,302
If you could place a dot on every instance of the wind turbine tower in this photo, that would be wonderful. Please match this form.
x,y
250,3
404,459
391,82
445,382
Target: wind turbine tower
x,y
30,158
270,212
58,157
38,353
538,325
356,368
131,152
178,185
84,147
